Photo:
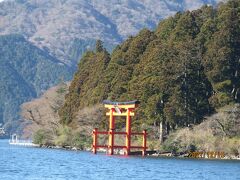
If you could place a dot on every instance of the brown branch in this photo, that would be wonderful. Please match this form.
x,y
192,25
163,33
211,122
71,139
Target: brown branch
x,y
32,117
222,126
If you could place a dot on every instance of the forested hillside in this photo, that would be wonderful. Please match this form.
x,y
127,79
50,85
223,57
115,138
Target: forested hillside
x,y
181,72
26,71
64,30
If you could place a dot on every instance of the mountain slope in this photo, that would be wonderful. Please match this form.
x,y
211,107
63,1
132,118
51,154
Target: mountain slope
x,y
26,71
55,24
181,72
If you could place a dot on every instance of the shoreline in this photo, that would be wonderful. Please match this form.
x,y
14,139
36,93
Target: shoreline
x,y
187,156
151,154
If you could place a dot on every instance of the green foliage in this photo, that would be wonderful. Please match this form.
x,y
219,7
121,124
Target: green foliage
x,y
42,137
181,72
223,86
166,26
61,90
221,99
64,136
99,46
81,141
222,56
88,83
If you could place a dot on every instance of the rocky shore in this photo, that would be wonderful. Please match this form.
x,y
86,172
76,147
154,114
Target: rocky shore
x,y
152,153
189,155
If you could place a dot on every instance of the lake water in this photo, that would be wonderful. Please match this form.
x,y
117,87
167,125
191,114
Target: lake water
x,y
22,163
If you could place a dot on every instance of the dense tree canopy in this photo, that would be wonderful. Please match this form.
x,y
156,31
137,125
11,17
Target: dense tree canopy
x,y
181,72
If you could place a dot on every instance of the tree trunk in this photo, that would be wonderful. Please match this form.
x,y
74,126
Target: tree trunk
x,y
161,132
167,128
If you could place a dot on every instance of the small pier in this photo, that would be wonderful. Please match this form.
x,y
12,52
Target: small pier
x,y
16,141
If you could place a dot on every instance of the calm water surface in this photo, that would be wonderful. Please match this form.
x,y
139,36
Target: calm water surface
x,y
20,163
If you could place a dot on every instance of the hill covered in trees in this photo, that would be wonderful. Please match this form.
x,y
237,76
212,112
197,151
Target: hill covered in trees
x,y
62,31
185,73
26,71
181,72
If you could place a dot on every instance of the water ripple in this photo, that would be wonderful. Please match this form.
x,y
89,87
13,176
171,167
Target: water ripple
x,y
18,163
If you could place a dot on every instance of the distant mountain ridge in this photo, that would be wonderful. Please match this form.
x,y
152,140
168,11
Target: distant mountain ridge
x,y
26,71
55,24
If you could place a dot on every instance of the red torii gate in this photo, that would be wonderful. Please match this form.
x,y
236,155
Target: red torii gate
x,y
119,109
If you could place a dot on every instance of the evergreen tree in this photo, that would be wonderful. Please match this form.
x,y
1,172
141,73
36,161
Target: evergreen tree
x,y
177,72
99,46
223,54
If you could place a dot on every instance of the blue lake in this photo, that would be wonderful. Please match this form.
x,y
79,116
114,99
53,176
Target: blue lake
x,y
21,163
